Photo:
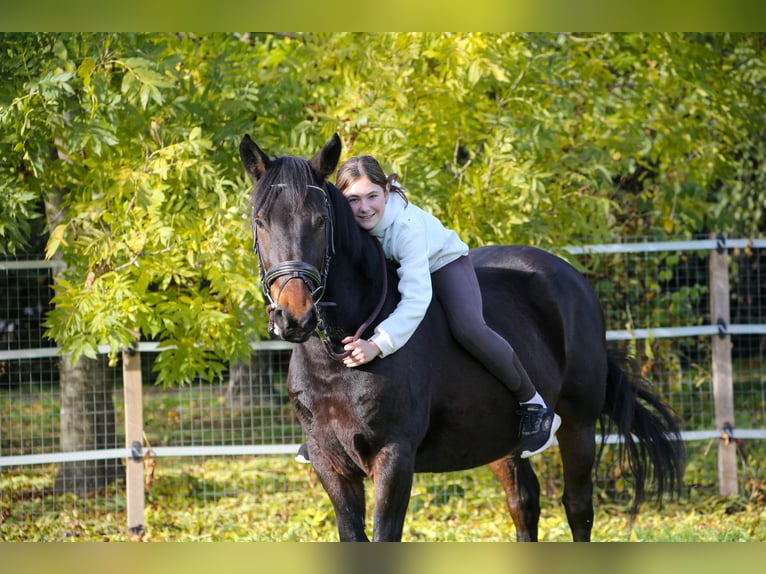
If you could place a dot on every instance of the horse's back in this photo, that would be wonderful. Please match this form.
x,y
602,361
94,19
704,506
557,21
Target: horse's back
x,y
548,274
553,320
526,280
549,312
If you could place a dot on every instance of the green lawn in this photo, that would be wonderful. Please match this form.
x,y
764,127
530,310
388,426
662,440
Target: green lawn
x,y
275,499
272,498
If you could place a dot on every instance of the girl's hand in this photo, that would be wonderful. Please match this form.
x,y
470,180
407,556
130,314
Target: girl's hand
x,y
362,351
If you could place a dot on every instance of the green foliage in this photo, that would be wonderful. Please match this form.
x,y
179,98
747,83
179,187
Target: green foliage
x,y
128,143
154,228
543,138
18,210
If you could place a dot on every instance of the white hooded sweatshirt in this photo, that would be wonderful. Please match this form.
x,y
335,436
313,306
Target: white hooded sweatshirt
x,y
421,245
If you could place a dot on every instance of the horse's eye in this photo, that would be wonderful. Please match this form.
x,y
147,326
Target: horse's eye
x,y
259,223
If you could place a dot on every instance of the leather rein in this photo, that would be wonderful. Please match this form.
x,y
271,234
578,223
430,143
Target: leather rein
x,y
315,280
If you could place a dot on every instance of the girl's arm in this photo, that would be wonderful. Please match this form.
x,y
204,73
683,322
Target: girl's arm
x,y
411,250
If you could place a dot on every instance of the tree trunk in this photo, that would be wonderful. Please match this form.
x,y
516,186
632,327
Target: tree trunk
x,y
87,406
87,423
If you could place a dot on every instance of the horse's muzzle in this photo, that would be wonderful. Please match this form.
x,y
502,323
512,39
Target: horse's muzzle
x,y
288,328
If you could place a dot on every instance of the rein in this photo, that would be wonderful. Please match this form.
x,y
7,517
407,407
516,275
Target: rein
x,y
364,326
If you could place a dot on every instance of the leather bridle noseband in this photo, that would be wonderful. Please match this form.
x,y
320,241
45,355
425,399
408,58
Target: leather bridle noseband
x,y
315,279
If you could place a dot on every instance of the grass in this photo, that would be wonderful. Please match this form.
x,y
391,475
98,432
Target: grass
x,y
274,499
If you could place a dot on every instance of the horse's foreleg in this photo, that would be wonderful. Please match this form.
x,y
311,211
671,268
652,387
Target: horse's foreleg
x,y
578,455
393,470
522,494
348,500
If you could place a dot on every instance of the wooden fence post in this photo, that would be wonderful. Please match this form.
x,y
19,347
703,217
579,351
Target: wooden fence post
x,y
134,440
723,387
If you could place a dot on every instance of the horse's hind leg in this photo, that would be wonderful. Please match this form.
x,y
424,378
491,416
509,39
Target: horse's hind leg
x,y
578,454
522,494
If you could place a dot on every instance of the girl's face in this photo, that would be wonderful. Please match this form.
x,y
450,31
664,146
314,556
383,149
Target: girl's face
x,y
368,202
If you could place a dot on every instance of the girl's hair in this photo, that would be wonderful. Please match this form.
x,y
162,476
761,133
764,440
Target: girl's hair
x,y
367,166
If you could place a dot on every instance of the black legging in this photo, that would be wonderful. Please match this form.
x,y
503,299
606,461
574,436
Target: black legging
x,y
457,288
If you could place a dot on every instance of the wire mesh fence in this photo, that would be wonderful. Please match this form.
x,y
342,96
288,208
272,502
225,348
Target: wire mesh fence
x,y
646,294
248,407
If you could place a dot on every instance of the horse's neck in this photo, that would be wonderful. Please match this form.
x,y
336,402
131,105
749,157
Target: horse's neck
x,y
351,293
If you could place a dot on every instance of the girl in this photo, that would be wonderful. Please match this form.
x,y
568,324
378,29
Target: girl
x,y
434,260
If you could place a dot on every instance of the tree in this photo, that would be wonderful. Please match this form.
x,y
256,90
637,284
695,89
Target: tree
x,y
87,423
532,138
154,231
549,138
86,142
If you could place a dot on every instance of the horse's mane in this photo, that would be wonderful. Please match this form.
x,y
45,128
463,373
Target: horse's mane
x,y
350,239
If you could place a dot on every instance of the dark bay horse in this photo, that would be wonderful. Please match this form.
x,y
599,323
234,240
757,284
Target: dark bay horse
x,y
430,407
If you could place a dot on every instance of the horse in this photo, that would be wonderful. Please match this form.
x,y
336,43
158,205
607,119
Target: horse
x,y
430,406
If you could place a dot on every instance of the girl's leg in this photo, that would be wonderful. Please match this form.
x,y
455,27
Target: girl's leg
x,y
457,288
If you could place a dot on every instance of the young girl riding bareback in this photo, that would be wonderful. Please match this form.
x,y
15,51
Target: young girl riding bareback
x,y
433,261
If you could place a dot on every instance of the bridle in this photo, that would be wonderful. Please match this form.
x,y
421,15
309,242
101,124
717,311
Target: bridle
x,y
314,279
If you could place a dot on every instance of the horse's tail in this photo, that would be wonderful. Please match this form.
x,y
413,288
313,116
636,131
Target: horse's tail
x,y
650,441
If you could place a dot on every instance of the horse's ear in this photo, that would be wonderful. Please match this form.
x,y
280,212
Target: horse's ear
x,y
326,159
254,160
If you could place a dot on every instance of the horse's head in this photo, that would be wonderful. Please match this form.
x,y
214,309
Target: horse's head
x,y
292,223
